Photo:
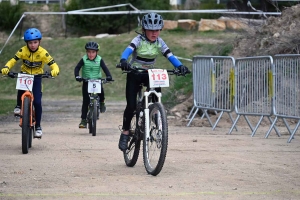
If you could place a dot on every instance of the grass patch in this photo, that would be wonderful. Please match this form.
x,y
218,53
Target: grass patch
x,y
7,106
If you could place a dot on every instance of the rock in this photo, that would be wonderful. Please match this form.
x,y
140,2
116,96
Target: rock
x,y
170,24
89,36
276,35
45,8
235,24
101,35
211,24
187,24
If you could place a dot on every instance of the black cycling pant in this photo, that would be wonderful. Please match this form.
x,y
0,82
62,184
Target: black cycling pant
x,y
133,82
86,99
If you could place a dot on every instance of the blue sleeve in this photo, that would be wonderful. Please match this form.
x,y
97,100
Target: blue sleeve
x,y
176,63
126,53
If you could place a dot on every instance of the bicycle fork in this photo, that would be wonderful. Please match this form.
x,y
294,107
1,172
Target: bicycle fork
x,y
30,97
146,110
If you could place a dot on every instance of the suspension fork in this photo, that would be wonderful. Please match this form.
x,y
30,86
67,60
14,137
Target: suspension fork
x,y
31,97
146,110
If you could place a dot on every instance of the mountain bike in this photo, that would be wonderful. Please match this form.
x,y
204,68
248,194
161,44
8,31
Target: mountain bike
x,y
27,114
94,88
149,123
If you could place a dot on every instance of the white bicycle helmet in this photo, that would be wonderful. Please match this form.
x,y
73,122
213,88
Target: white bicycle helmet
x,y
152,21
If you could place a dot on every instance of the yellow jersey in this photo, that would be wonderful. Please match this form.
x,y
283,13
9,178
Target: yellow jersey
x,y
33,62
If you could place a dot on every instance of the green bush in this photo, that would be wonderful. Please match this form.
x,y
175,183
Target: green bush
x,y
9,15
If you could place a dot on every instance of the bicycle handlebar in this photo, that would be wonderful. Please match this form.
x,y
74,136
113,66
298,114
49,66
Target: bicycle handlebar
x,y
142,70
103,80
15,74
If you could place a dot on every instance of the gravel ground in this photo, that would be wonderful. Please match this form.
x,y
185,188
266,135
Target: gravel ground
x,y
201,163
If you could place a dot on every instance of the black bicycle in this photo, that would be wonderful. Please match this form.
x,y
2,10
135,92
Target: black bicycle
x,y
94,88
150,125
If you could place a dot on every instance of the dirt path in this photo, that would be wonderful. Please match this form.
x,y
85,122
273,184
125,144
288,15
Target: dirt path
x,y
68,163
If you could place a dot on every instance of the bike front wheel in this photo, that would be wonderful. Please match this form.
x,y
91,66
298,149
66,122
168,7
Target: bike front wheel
x,y
94,118
26,130
132,153
156,144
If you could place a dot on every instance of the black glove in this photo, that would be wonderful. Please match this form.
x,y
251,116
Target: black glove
x,y
183,69
124,65
11,75
109,78
78,78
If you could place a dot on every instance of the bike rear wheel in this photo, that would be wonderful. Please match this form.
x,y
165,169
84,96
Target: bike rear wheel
x,y
132,153
26,130
155,146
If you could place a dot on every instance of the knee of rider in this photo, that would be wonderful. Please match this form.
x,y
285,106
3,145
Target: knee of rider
x,y
37,103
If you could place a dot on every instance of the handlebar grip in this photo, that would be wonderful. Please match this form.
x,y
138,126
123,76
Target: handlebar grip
x,y
118,65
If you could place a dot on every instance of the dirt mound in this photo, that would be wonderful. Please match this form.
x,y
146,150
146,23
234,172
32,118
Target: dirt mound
x,y
278,35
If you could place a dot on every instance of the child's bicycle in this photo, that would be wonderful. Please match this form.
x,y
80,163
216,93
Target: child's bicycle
x,y
149,122
27,115
94,88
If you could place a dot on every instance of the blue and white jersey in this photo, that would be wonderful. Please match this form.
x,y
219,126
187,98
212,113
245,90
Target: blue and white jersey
x,y
144,52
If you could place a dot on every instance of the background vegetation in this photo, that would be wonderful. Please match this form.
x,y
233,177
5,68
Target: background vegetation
x,y
67,53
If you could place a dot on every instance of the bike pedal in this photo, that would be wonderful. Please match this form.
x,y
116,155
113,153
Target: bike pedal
x,y
17,116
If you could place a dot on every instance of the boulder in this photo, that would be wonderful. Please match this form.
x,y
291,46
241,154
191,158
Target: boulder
x,y
101,35
235,24
211,24
170,24
187,24
88,36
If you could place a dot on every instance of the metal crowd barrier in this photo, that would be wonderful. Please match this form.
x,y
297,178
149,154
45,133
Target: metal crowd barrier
x,y
260,86
286,91
213,86
254,79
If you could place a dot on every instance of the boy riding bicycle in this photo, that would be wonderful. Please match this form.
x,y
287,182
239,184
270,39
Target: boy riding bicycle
x,y
34,58
91,64
144,49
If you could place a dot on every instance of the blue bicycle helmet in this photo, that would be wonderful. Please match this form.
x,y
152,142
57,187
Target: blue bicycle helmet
x,y
32,34
152,21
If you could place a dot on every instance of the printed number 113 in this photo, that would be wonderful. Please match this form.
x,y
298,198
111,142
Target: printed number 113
x,y
159,77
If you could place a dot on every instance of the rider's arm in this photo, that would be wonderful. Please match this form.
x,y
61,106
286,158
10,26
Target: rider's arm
x,y
48,59
168,54
175,62
127,52
130,48
104,68
53,65
13,60
78,67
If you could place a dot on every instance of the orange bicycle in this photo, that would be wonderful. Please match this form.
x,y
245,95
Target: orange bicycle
x,y
27,114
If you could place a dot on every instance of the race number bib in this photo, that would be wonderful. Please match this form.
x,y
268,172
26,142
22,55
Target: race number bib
x,y
158,78
24,82
94,86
